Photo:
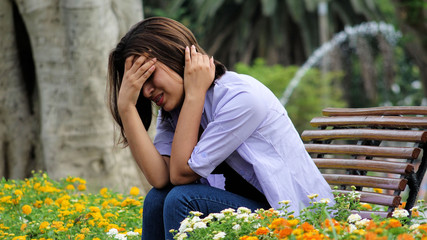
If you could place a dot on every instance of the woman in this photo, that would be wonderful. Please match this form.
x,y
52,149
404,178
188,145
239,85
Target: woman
x,y
216,130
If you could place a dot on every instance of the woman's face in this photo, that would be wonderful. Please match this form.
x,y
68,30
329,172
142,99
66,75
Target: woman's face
x,y
164,87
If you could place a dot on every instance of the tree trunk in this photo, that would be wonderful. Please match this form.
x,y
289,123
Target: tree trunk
x,y
18,121
70,43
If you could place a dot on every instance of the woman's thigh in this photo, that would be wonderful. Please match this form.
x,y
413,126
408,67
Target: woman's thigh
x,y
205,199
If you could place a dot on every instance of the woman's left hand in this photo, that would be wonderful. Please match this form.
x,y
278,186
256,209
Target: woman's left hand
x,y
199,73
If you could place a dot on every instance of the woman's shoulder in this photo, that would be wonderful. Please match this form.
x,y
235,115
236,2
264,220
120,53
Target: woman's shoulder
x,y
232,82
237,82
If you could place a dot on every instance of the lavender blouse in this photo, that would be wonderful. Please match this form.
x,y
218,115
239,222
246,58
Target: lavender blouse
x,y
246,126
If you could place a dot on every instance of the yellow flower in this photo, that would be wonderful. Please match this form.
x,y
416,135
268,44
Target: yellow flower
x,y
81,187
16,200
43,226
26,209
103,191
23,226
38,204
134,191
313,196
378,190
48,201
19,238
80,237
293,222
6,199
297,231
18,192
70,187
94,209
85,230
107,215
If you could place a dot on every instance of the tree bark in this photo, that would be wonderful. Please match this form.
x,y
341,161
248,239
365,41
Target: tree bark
x,y
18,123
70,43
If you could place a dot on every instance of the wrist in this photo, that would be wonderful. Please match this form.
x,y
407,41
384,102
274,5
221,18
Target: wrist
x,y
125,108
195,96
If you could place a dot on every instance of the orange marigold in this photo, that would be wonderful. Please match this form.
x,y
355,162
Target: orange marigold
x,y
307,227
23,226
81,187
374,236
371,225
285,232
393,223
423,228
26,209
405,236
367,206
262,231
277,223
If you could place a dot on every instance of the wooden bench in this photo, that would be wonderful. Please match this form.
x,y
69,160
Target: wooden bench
x,y
379,147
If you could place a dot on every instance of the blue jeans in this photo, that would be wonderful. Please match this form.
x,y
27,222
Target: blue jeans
x,y
164,209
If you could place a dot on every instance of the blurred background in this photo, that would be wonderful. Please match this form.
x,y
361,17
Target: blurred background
x,y
311,53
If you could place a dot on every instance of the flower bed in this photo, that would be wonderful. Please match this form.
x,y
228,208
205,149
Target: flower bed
x,y
40,208
314,222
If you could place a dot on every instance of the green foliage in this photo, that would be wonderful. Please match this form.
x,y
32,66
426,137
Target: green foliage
x,y
315,91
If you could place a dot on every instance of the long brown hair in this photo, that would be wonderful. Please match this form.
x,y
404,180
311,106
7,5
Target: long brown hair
x,y
156,37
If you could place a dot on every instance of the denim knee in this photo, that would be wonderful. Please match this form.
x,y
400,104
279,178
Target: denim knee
x,y
152,219
155,198
176,206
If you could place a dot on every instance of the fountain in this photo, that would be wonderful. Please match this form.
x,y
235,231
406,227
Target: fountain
x,y
369,28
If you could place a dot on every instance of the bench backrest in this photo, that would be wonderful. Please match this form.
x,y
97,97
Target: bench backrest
x,y
379,150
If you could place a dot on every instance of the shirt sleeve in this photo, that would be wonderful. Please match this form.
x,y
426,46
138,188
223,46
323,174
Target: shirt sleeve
x,y
164,136
236,117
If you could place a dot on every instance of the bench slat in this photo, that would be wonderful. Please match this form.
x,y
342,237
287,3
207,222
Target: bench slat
x,y
368,214
374,121
360,150
365,165
365,134
376,198
366,181
395,110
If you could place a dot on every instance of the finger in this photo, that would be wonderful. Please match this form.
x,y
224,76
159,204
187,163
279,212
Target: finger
x,y
148,73
212,67
144,68
128,62
212,62
193,54
138,62
187,56
205,60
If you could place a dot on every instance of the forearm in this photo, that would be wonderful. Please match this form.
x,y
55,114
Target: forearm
x,y
145,154
185,139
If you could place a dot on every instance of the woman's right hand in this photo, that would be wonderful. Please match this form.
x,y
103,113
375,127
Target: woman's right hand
x,y
137,71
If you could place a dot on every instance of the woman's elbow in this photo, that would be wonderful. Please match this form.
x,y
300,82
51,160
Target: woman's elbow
x,y
159,183
179,178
